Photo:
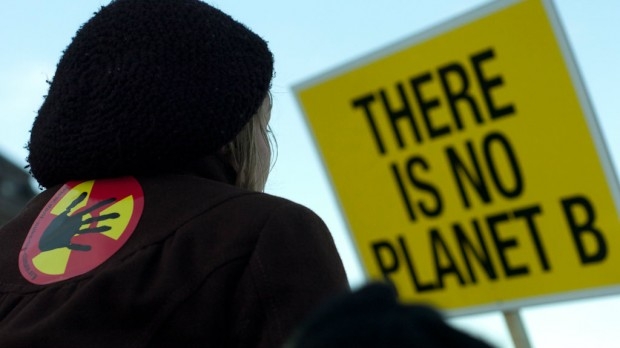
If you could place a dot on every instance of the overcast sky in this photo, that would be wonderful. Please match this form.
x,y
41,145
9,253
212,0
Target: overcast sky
x,y
309,38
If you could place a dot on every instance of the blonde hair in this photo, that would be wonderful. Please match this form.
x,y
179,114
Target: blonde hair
x,y
252,162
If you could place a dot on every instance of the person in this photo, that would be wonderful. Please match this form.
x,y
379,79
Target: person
x,y
372,317
152,230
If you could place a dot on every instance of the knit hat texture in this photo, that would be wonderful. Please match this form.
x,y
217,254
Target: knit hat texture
x,y
148,86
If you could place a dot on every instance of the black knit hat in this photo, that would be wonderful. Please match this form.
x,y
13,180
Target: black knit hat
x,y
148,86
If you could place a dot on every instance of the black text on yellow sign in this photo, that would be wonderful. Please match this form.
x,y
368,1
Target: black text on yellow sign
x,y
467,174
468,166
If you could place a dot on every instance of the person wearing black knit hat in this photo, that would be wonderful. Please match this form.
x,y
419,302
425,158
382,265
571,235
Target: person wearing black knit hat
x,y
153,230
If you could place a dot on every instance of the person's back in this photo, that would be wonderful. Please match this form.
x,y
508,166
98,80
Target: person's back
x,y
153,230
198,268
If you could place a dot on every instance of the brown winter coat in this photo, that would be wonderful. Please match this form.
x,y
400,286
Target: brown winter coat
x,y
208,265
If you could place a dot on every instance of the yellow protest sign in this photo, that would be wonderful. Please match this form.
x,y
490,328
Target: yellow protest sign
x,y
469,165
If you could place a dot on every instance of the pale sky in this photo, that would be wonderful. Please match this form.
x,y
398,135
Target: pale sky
x,y
307,39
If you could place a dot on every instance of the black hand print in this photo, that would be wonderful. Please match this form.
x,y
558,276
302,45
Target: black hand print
x,y
60,231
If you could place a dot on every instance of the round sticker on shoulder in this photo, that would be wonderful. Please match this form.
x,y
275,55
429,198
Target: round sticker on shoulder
x,y
82,226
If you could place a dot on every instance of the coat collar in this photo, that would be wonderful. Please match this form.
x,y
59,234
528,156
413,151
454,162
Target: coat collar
x,y
215,167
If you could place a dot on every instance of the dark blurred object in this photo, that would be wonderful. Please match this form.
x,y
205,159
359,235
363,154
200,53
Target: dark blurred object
x,y
372,317
15,190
